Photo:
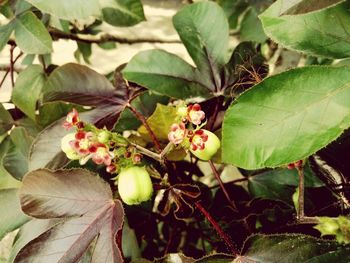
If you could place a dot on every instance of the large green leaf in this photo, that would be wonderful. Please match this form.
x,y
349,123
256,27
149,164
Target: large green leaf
x,y
67,9
122,12
30,81
306,6
323,33
16,158
90,216
287,117
6,121
204,30
31,35
293,248
165,73
12,216
5,33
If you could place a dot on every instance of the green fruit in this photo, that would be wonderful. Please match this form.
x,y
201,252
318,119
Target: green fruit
x,y
134,185
212,145
67,148
103,137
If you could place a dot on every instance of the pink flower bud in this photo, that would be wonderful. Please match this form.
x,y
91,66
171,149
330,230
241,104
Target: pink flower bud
x,y
177,133
195,114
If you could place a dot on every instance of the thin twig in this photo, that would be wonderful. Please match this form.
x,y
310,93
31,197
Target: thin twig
x,y
12,66
300,210
218,178
141,118
108,38
8,70
218,229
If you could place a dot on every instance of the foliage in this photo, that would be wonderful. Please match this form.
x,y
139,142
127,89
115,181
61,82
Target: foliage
x,y
133,165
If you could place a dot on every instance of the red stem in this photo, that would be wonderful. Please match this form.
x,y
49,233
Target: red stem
x,y
148,128
218,229
218,178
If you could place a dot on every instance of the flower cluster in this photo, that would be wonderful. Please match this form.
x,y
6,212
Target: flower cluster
x,y
202,143
99,145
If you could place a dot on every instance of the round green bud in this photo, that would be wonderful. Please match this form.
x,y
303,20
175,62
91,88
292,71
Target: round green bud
x,y
67,148
135,185
212,145
103,137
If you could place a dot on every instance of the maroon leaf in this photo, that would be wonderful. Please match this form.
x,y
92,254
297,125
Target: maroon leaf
x,y
81,85
86,202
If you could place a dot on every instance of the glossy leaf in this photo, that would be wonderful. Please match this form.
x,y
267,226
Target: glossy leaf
x,y
287,117
12,216
160,122
91,216
165,73
5,33
30,81
6,121
197,26
293,248
16,158
122,12
67,9
324,33
306,6
31,35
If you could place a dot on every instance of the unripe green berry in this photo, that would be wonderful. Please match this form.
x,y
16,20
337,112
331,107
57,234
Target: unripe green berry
x,y
212,145
103,137
134,185
67,148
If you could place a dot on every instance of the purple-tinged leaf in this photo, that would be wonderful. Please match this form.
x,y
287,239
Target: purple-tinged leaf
x,y
81,85
92,216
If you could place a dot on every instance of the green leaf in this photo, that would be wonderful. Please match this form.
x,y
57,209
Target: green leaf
x,y
160,122
30,81
67,9
288,248
78,84
5,33
251,27
204,30
146,103
122,12
280,183
6,180
324,33
287,117
31,35
51,112
165,73
91,216
306,6
12,216
85,50
6,121
16,159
